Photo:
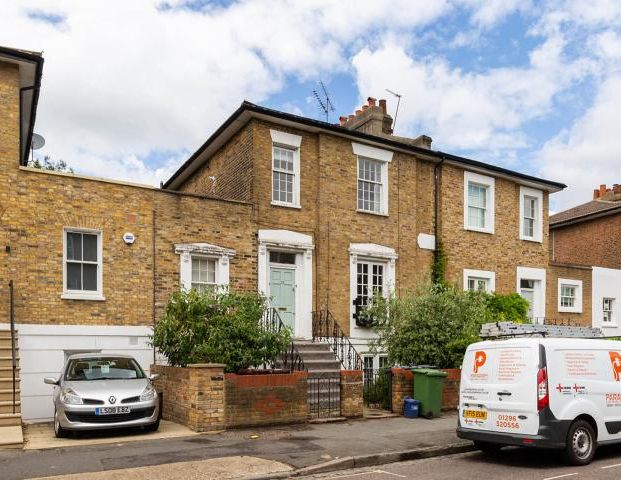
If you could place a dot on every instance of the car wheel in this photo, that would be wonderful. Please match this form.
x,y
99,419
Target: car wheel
x,y
487,447
59,431
581,443
153,427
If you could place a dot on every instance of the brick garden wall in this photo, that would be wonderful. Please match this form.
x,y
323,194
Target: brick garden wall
x,y
193,396
265,399
403,386
351,393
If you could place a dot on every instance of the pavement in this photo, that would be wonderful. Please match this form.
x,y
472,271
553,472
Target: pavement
x,y
40,436
308,448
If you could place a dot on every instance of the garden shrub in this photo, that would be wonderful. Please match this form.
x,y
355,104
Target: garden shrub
x,y
217,326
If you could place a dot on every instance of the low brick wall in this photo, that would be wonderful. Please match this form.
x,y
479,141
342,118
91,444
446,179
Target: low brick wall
x,y
351,393
193,395
253,400
403,386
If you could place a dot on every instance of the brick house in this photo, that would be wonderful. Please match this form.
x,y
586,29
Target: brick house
x,y
585,256
314,215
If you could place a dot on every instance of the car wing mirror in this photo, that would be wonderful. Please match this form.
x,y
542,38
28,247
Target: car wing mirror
x,y
154,376
50,381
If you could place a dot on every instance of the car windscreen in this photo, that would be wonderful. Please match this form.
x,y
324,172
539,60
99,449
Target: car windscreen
x,y
102,368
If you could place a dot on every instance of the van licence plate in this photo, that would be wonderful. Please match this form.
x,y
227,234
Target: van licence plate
x,y
111,410
475,414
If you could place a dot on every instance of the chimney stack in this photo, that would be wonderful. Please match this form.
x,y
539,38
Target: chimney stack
x,y
370,118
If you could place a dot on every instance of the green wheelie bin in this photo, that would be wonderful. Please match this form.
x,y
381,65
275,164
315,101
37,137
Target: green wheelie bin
x,y
428,386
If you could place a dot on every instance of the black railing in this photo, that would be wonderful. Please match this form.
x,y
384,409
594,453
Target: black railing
x,y
290,358
13,353
326,329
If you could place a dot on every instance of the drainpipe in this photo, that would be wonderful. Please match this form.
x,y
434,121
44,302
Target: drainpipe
x,y
436,177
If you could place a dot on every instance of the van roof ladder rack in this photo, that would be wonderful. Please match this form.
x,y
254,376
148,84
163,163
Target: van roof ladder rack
x,y
491,331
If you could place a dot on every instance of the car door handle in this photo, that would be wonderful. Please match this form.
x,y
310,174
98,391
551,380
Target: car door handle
x,y
504,393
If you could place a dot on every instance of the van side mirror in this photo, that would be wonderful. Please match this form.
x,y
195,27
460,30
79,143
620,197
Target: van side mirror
x,y
154,376
50,380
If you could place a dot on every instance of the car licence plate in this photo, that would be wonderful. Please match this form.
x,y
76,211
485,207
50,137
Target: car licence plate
x,y
475,414
111,410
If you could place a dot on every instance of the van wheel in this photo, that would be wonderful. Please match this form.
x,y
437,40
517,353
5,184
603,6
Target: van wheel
x,y
487,447
581,443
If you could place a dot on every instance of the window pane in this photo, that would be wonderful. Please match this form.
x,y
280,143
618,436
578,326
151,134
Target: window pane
x,y
74,276
477,195
211,271
89,276
89,247
476,217
74,246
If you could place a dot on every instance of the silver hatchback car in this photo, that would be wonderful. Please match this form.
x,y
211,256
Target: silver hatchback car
x,y
99,391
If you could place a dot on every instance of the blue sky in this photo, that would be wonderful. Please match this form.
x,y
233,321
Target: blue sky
x,y
130,89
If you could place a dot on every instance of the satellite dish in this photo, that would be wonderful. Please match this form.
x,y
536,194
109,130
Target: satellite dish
x,y
37,141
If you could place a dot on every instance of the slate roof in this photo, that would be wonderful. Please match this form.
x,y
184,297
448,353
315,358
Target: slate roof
x,y
585,211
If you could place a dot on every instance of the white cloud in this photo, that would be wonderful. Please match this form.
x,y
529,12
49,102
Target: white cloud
x,y
468,111
123,79
589,152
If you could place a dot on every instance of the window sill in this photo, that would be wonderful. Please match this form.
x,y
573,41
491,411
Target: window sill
x,y
369,212
78,296
610,325
489,231
569,310
531,239
285,205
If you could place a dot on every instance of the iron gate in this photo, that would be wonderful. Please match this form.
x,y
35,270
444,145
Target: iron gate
x,y
377,392
324,395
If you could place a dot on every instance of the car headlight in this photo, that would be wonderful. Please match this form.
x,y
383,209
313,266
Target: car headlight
x,y
70,397
148,393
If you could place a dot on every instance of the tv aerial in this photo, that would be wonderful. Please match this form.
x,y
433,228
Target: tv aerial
x,y
325,103
398,96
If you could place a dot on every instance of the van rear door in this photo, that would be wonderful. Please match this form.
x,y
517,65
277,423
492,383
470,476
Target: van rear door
x,y
498,390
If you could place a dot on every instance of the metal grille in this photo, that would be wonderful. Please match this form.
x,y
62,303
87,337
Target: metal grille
x,y
324,395
90,417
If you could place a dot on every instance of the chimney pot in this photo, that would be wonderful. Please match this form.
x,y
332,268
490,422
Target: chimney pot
x,y
351,117
342,120
595,194
382,104
371,101
616,188
364,107
602,189
358,112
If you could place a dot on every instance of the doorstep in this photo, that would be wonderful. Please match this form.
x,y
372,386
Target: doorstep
x,y
11,437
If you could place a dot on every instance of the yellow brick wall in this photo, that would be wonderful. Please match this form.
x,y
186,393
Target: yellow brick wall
x,y
570,272
501,252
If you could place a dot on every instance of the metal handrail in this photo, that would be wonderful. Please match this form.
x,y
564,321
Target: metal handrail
x,y
327,329
13,355
290,357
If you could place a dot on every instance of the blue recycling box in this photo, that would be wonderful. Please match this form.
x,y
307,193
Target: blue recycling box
x,y
410,407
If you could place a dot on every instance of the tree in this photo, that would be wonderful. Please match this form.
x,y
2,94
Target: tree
x,y
50,165
217,326
431,326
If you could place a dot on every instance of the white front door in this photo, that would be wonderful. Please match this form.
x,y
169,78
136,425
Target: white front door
x,y
530,290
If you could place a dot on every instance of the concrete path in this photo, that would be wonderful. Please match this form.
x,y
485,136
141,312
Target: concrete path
x,y
297,445
40,436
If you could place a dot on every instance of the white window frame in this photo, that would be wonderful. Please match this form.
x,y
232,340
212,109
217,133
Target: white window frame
x,y
612,319
384,157
538,225
96,295
577,284
221,255
490,185
482,274
291,142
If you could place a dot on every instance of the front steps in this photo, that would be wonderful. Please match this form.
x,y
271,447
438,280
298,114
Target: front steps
x,y
324,379
10,411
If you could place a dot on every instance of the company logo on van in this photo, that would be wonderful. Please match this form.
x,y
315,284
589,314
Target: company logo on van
x,y
615,360
479,360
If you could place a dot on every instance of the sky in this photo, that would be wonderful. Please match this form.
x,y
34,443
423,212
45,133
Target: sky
x,y
131,88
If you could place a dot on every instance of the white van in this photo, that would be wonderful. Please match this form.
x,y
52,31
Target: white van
x,y
542,392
